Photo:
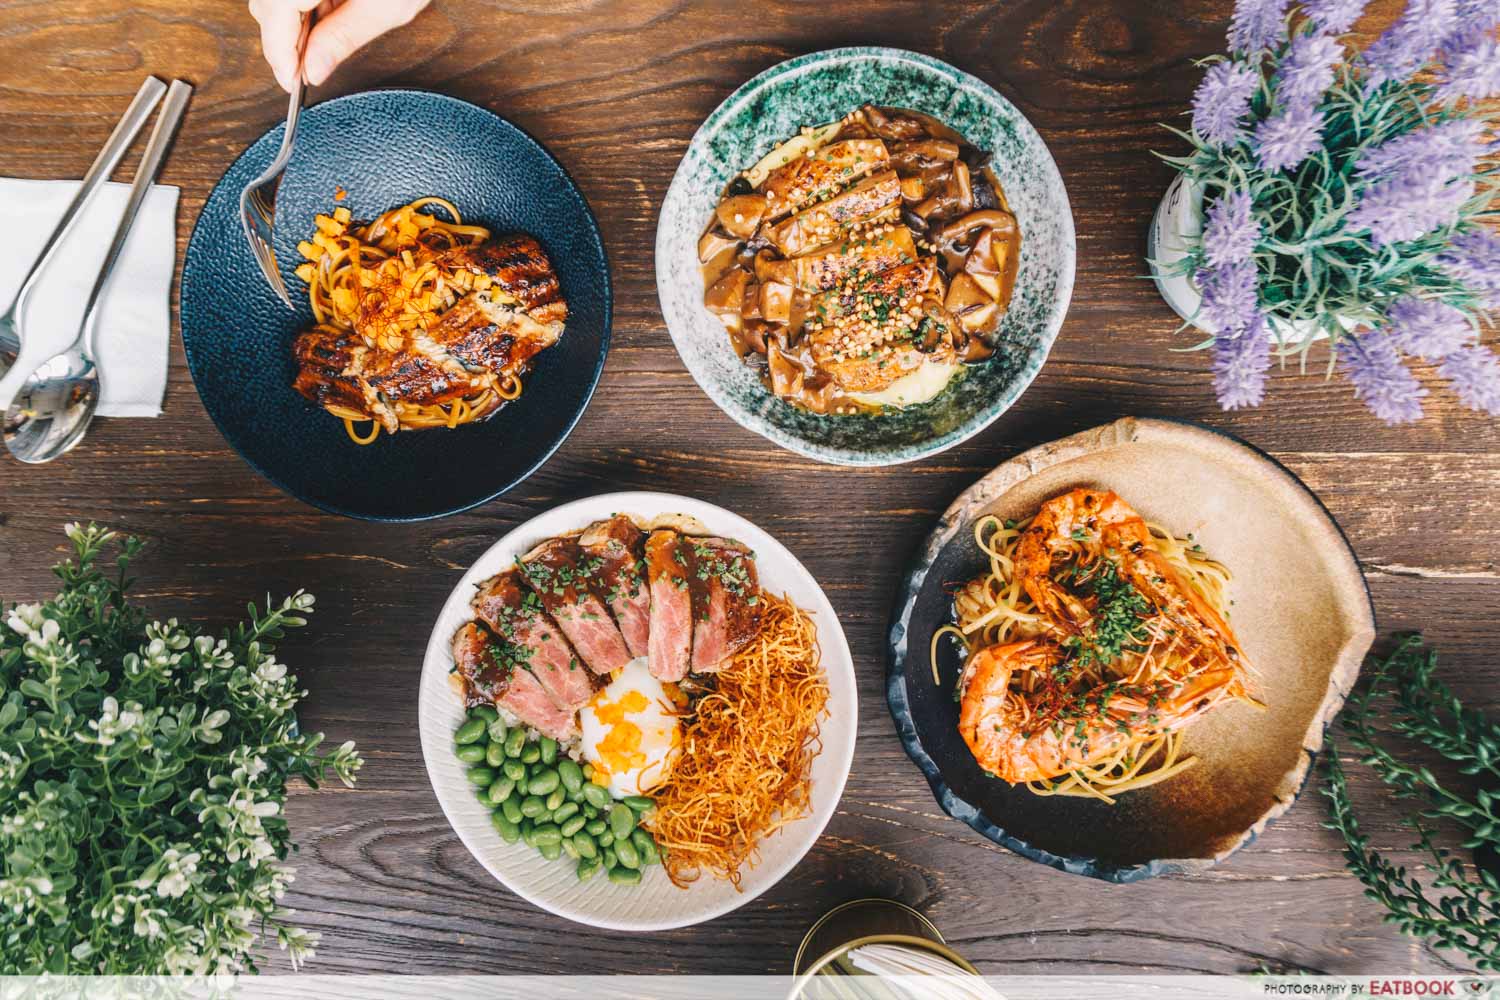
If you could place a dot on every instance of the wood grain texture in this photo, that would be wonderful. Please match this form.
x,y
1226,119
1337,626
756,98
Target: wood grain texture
x,y
616,88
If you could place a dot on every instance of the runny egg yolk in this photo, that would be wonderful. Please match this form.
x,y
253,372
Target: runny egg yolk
x,y
630,731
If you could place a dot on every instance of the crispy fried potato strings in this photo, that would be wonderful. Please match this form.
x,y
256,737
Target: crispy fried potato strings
x,y
747,752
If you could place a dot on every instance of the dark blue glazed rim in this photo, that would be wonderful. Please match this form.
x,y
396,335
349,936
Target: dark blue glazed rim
x,y
386,148
898,701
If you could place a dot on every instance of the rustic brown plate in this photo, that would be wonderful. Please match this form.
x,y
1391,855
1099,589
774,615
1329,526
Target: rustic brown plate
x,y
1299,606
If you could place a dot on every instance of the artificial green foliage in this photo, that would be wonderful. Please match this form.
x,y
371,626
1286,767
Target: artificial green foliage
x,y
143,772
1458,907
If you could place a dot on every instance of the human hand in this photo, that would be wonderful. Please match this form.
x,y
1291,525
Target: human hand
x,y
342,27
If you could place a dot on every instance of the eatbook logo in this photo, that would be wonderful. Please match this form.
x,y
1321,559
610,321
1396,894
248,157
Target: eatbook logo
x,y
1473,987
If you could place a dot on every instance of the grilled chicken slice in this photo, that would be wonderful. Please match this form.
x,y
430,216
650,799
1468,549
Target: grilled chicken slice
x,y
617,544
481,335
862,359
492,674
726,602
809,178
826,269
328,363
667,574
560,575
513,612
519,266
875,199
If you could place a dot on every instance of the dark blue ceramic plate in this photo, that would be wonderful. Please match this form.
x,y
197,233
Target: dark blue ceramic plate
x,y
387,148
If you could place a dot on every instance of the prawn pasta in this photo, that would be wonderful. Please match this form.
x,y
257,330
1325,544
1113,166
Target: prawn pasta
x,y
1093,640
420,321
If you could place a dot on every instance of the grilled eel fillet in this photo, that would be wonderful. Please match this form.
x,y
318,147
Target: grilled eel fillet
x,y
473,346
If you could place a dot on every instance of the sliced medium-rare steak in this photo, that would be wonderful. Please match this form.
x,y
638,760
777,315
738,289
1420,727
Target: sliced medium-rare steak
x,y
667,574
514,613
559,573
726,602
494,673
616,543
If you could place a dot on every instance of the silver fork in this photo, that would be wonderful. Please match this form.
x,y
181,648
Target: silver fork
x,y
104,164
258,200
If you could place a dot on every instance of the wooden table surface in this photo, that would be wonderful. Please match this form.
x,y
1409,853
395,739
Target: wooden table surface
x,y
616,88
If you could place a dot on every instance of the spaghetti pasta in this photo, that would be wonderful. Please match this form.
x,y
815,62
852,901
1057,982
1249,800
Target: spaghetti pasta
x,y
388,282
995,610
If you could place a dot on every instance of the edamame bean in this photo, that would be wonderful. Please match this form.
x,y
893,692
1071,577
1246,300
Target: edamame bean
x,y
549,749
585,845
588,868
628,876
596,795
621,820
588,771
485,712
566,811
531,754
500,790
514,770
543,782
547,833
470,753
639,803
550,851
469,732
626,852
494,754
645,846
481,776
556,798
606,839
610,861
512,810
569,849
527,830
514,741
532,807
571,775
496,731
596,827
509,832
570,826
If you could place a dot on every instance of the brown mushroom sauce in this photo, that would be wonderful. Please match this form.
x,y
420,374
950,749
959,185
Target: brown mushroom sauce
x,y
856,253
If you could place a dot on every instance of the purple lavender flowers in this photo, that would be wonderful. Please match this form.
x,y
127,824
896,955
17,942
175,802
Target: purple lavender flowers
x,y
1230,297
1473,372
1288,137
1385,385
1334,17
1426,327
1257,25
1222,101
1240,365
1409,205
1411,41
1473,259
1231,230
1471,66
1448,149
1307,71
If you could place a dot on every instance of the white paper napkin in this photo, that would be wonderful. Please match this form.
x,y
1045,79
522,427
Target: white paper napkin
x,y
135,325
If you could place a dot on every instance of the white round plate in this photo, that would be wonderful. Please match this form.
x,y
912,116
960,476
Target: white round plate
x,y
654,904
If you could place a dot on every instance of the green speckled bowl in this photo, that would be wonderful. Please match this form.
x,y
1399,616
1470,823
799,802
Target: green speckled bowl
x,y
822,87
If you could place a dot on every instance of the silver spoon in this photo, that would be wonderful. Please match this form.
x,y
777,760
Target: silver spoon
x,y
104,164
55,405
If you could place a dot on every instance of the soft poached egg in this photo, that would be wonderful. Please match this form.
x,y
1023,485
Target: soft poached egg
x,y
631,733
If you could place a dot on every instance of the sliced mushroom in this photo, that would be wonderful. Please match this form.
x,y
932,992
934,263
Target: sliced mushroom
x,y
776,302
912,157
750,306
969,304
913,188
727,295
713,243
962,189
741,214
992,218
